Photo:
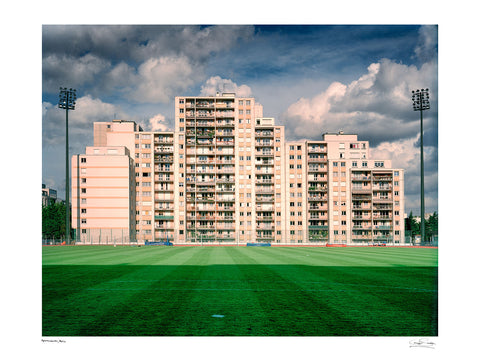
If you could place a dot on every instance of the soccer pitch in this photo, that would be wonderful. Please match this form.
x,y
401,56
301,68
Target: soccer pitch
x,y
239,291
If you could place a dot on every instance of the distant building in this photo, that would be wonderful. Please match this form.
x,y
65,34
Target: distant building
x,y
49,196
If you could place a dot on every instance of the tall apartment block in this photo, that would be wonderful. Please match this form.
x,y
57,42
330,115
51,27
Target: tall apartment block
x,y
226,175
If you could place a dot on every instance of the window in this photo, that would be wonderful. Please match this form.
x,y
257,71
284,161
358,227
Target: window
x,y
364,164
84,211
84,221
83,160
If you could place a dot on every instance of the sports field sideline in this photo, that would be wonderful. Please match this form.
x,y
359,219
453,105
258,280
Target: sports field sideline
x,y
210,291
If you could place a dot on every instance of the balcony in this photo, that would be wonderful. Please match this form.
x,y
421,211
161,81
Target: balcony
x,y
264,218
164,149
317,198
163,140
382,199
265,227
225,189
361,190
360,178
317,227
317,149
264,190
225,180
229,124
361,227
264,153
264,199
259,134
164,217
318,208
224,104
226,170
163,159
382,188
382,177
316,160
204,104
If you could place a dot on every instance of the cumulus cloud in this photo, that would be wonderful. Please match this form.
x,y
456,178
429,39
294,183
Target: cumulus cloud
x,y
217,84
158,123
143,63
160,79
80,121
371,106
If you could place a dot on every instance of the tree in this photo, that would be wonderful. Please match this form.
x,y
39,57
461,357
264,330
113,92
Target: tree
x,y
53,221
412,225
431,225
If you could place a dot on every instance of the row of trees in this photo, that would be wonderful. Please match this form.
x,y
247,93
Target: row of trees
x,y
53,221
431,225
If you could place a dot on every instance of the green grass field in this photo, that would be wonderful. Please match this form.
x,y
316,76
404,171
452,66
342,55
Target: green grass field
x,y
239,291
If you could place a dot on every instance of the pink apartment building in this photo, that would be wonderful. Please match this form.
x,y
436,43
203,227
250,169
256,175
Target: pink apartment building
x,y
226,175
103,197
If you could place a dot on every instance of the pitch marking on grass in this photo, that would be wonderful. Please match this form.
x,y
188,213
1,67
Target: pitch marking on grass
x,y
218,316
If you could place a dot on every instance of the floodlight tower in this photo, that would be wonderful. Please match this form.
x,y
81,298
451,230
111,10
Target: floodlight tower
x,y
421,102
67,98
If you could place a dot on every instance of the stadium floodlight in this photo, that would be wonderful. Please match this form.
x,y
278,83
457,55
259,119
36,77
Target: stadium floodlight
x,y
421,101
67,99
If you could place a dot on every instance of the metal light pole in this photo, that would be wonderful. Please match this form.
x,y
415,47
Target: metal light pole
x,y
421,102
67,98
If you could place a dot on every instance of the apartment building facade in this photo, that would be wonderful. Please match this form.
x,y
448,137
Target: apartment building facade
x,y
226,175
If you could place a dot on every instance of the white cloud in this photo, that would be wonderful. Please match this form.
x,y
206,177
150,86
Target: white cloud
x,y
160,79
216,83
158,123
80,121
377,104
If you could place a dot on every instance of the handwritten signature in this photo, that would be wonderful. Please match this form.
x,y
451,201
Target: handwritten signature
x,y
53,341
422,343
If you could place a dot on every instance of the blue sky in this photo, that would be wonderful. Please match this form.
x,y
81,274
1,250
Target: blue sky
x,y
312,79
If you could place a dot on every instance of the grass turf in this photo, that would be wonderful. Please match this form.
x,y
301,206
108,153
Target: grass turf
x,y
239,291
